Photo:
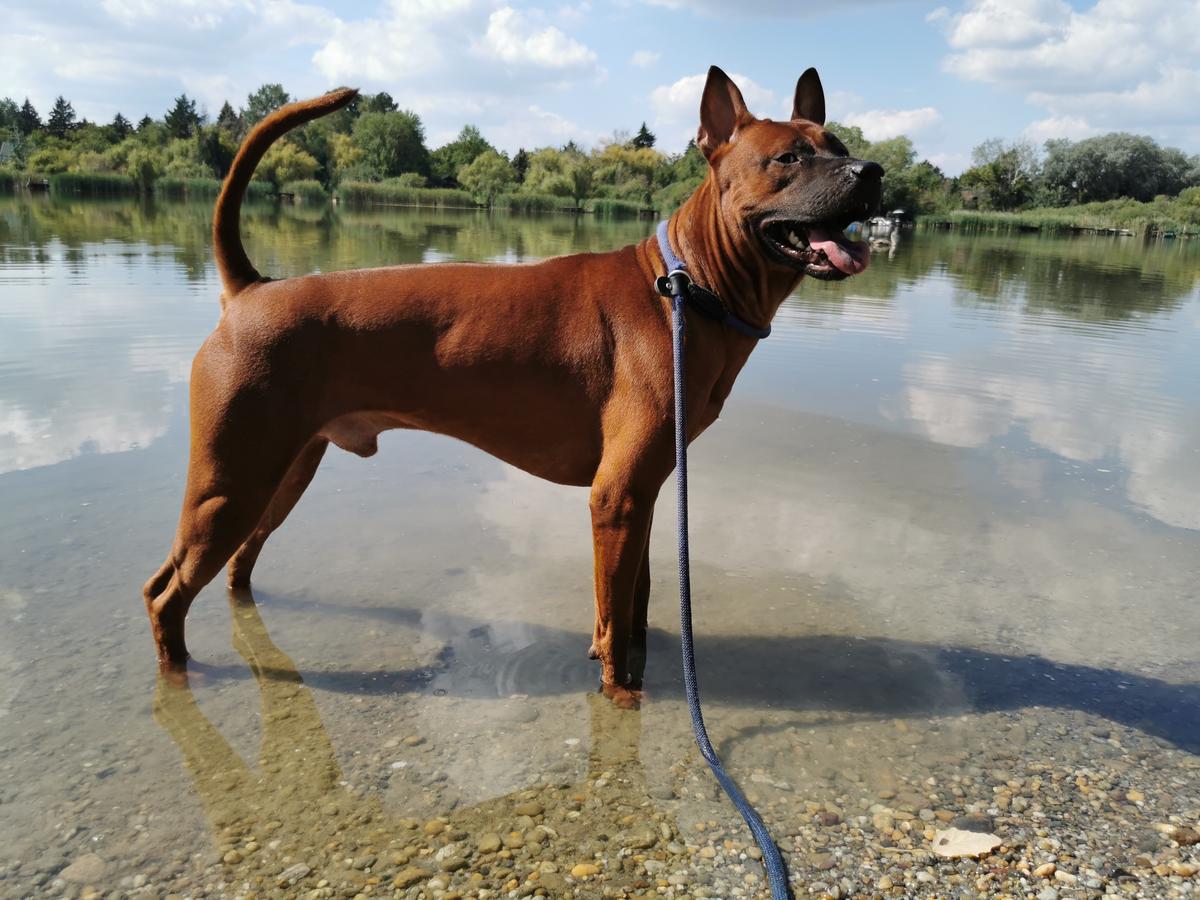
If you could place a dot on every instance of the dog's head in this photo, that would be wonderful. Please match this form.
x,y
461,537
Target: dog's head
x,y
792,186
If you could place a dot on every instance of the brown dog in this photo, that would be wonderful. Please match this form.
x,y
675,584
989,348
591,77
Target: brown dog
x,y
562,367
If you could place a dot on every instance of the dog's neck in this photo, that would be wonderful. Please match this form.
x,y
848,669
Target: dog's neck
x,y
728,261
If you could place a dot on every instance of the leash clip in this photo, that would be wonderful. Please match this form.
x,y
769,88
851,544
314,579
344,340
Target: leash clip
x,y
674,283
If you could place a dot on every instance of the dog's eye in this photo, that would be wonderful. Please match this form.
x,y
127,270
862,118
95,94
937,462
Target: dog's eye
x,y
787,158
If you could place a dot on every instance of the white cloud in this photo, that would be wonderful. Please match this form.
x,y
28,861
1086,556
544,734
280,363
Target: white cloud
x,y
881,124
1007,23
969,401
511,38
533,126
643,59
1053,127
452,61
680,101
950,163
770,8
677,106
1118,64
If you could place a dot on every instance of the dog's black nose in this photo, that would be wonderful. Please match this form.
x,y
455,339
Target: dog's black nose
x,y
866,169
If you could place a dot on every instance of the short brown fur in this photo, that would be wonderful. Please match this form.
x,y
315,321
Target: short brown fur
x,y
561,367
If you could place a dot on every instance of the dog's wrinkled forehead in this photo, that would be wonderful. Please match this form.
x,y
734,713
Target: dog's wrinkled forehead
x,y
771,138
726,122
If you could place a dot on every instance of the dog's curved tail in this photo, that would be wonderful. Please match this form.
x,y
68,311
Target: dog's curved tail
x,y
235,267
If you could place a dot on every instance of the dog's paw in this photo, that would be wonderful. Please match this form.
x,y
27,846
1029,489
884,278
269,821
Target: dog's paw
x,y
622,697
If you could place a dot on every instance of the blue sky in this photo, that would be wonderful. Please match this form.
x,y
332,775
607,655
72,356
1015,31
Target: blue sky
x,y
949,75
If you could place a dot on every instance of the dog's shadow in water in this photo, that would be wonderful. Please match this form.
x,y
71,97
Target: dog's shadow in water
x,y
870,676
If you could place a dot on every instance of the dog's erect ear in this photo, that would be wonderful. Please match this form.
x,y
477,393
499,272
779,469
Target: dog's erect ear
x,y
722,110
810,98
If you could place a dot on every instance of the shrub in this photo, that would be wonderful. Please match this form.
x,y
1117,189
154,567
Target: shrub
x,y
91,184
391,193
307,190
615,209
533,203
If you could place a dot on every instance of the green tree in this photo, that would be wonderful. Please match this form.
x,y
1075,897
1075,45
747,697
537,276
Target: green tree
x,y
520,165
182,120
62,118
215,148
262,103
445,162
644,139
852,137
627,172
229,121
579,172
144,124
29,120
547,173
379,103
486,176
1114,165
392,142
285,162
121,127
1006,174
144,165
10,116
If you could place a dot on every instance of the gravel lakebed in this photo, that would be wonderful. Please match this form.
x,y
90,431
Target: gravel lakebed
x,y
1078,807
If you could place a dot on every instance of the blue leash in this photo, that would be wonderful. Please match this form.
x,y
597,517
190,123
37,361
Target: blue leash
x,y
772,859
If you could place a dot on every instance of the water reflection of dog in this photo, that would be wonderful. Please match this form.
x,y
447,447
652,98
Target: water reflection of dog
x,y
292,824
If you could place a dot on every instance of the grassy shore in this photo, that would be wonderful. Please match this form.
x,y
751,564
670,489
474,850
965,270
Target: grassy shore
x,y
614,209
384,192
308,190
92,184
1180,215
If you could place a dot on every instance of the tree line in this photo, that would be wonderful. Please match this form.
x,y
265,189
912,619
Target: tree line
x,y
374,141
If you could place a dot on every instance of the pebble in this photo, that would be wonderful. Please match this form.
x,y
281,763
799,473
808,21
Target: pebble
x,y
292,874
1186,836
583,870
88,867
490,843
1045,870
642,839
408,877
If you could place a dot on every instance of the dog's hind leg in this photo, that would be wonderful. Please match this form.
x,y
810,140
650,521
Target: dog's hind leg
x,y
239,456
287,495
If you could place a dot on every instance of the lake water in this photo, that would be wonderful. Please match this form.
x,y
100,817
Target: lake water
x,y
946,544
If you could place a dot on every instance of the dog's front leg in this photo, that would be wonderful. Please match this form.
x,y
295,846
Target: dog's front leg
x,y
621,512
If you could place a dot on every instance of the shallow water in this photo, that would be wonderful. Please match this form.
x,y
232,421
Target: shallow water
x,y
946,543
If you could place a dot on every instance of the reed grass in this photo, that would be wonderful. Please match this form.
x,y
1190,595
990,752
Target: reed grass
x,y
615,209
534,203
92,184
1163,214
366,193
172,188
308,190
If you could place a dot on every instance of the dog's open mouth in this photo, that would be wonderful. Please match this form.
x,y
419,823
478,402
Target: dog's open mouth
x,y
821,249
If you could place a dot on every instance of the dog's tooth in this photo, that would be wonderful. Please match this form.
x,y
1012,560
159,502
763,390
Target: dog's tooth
x,y
794,238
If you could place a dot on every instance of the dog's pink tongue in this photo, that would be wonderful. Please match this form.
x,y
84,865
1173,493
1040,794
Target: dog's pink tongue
x,y
849,256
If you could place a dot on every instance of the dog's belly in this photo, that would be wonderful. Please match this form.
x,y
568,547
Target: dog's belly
x,y
562,456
